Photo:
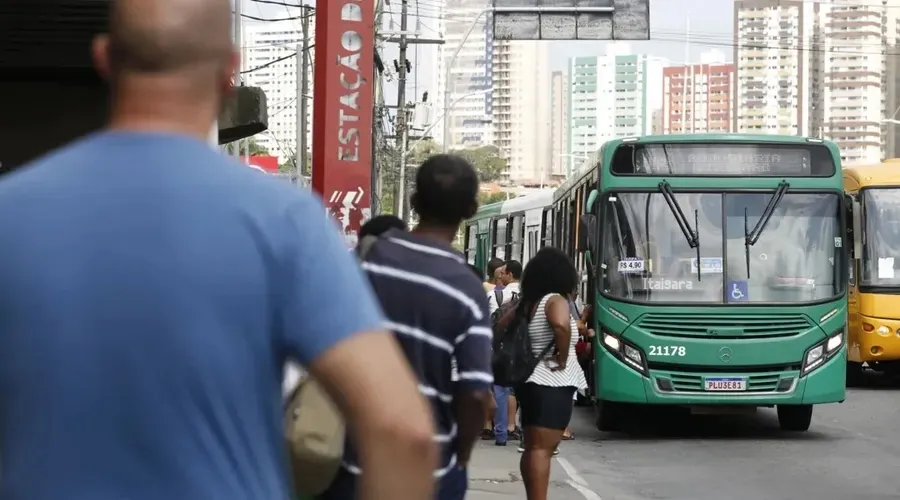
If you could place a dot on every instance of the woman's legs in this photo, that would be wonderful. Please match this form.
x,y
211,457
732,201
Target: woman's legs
x,y
545,414
540,442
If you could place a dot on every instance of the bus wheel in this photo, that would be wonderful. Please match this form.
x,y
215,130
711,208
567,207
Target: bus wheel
x,y
608,415
854,374
795,417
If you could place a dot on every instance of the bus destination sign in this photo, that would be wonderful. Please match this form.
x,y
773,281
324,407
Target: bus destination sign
x,y
714,160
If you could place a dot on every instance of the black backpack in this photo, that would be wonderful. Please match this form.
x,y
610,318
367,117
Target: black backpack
x,y
513,360
502,307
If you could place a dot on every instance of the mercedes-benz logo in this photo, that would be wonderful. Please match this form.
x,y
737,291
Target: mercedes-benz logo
x,y
725,354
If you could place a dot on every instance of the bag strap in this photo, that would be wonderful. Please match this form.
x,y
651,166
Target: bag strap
x,y
498,296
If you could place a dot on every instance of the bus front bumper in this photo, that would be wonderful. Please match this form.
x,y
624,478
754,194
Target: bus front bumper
x,y
620,383
881,343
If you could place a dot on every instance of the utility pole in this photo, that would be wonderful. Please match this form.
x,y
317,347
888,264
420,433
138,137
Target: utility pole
x,y
239,43
377,115
302,92
401,129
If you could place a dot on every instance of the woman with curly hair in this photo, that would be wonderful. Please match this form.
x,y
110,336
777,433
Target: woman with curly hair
x,y
546,397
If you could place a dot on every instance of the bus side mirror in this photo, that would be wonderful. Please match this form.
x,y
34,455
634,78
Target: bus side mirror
x,y
857,229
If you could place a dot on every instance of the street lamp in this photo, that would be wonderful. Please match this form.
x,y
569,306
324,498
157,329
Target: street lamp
x,y
440,118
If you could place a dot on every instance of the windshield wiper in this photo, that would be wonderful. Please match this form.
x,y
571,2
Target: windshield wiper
x,y
691,235
751,237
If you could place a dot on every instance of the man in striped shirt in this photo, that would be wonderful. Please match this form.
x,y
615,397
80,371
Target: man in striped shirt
x,y
438,311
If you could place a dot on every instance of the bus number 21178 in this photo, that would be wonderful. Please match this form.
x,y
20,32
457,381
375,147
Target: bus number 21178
x,y
667,350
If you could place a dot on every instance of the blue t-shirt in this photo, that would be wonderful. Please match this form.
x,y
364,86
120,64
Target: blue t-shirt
x,y
151,290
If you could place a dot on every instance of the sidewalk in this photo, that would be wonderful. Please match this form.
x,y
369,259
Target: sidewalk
x,y
494,475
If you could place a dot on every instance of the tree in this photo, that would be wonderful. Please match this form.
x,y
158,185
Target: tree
x,y
488,198
487,160
252,146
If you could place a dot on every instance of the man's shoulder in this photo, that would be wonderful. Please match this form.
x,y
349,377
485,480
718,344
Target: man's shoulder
x,y
437,266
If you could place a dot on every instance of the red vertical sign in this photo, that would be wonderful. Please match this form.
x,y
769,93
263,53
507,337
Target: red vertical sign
x,y
342,110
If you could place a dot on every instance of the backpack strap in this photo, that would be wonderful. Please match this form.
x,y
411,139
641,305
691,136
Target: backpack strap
x,y
498,296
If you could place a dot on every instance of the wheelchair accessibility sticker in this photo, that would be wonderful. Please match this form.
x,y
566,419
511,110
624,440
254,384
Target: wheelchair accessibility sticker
x,y
738,291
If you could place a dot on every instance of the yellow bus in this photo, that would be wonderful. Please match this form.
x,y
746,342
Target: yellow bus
x,y
873,320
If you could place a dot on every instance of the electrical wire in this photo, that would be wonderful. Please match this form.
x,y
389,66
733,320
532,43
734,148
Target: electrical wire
x,y
273,62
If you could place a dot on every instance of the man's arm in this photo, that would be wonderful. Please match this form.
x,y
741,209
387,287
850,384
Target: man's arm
x,y
473,394
331,323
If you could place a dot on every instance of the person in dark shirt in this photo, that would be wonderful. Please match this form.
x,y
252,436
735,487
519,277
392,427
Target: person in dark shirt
x,y
438,311
378,225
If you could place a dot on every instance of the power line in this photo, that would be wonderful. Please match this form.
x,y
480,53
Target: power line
x,y
273,62
283,4
268,20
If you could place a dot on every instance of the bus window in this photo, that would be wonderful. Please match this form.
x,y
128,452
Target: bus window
x,y
547,227
471,243
516,237
500,239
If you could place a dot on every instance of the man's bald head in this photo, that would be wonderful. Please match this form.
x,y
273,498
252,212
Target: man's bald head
x,y
166,37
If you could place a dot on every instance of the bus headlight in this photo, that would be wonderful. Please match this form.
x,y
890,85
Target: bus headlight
x,y
628,353
818,354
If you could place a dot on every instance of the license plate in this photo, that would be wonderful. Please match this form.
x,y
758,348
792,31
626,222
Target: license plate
x,y
730,384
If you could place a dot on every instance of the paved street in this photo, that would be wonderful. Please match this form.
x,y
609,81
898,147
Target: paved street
x,y
852,452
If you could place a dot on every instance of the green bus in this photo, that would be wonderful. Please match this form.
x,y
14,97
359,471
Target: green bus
x,y
717,267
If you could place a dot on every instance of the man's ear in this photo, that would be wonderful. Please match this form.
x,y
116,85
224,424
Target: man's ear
x,y
100,55
229,77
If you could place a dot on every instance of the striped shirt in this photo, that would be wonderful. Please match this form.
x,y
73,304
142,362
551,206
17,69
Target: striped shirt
x,y
541,334
438,310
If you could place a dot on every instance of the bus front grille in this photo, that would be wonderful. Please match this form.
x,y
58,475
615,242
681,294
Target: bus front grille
x,y
730,326
684,382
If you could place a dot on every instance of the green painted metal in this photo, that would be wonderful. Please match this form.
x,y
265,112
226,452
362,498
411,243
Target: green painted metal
x,y
757,360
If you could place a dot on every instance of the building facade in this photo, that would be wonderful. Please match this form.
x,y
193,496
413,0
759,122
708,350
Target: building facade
x,y
265,43
520,111
608,97
777,59
559,124
698,98
859,78
471,73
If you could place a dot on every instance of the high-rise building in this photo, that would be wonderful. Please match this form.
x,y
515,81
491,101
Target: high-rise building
x,y
859,78
777,62
471,73
697,98
559,124
521,113
609,96
498,90
264,44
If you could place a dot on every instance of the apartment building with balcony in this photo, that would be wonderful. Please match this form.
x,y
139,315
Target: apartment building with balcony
x,y
860,77
609,96
520,109
471,71
559,124
270,46
698,98
778,57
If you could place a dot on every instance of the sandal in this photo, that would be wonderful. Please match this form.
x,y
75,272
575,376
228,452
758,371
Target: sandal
x,y
487,434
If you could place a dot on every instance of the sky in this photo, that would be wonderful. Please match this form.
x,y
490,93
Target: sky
x,y
710,27
677,28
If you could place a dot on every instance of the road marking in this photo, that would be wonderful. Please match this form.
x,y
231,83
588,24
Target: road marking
x,y
576,481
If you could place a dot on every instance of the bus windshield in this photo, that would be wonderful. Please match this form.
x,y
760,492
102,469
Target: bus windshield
x,y
880,264
797,257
